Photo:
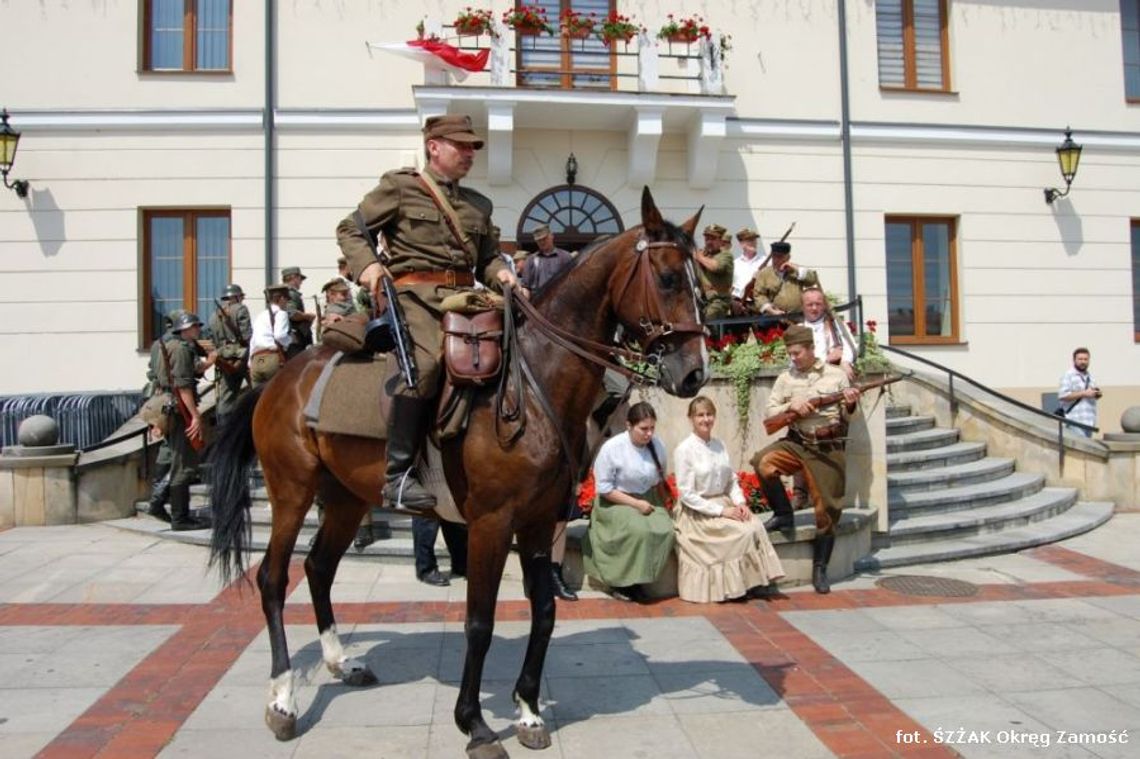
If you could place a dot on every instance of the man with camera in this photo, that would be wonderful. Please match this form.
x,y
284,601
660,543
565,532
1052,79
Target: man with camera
x,y
1078,393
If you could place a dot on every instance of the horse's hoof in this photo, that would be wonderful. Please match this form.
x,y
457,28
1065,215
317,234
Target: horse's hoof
x,y
536,738
492,750
284,727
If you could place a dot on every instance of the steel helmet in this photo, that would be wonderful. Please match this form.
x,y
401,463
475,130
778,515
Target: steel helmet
x,y
232,290
186,320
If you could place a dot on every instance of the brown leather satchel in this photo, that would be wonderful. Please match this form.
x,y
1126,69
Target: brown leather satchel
x,y
347,334
472,346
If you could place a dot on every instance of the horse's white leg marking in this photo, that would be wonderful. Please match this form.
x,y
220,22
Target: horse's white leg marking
x,y
282,697
527,718
333,653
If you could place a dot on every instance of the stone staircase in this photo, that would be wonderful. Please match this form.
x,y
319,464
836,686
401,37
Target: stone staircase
x,y
948,500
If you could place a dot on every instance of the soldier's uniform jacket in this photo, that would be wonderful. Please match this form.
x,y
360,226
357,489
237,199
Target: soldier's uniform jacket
x,y
232,345
820,379
156,367
784,292
418,239
717,285
302,330
183,369
344,308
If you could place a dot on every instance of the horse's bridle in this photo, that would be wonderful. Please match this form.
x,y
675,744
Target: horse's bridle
x,y
653,324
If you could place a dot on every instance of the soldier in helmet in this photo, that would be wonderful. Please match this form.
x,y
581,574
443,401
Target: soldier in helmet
x,y
300,321
231,327
181,370
160,481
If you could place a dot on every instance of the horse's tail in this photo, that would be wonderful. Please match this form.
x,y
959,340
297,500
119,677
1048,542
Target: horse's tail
x,y
231,462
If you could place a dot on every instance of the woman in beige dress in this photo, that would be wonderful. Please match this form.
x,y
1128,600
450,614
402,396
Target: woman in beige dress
x,y
723,550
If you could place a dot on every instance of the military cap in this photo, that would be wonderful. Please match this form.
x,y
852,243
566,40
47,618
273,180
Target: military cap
x,y
747,234
456,127
186,320
715,230
283,289
541,232
341,261
289,271
336,283
520,255
781,248
232,291
798,335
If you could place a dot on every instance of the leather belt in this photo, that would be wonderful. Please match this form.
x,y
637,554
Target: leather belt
x,y
448,277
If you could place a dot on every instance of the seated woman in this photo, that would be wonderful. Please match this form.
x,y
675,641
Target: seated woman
x,y
631,534
723,550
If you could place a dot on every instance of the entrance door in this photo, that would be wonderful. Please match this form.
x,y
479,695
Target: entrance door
x,y
575,214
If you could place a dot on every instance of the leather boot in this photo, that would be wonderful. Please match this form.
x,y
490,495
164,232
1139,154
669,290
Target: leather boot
x,y
407,427
783,518
180,518
561,589
159,493
821,556
363,537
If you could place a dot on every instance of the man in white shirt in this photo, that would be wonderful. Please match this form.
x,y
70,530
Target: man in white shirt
x,y
271,336
744,269
833,341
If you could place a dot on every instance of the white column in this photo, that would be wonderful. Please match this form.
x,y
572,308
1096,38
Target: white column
x,y
500,142
644,136
706,133
648,79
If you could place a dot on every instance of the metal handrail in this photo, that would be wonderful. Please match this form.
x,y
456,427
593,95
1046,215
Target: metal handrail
x,y
952,374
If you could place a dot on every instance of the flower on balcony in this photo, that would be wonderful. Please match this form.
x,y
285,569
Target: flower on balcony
x,y
472,22
617,27
528,19
577,25
686,30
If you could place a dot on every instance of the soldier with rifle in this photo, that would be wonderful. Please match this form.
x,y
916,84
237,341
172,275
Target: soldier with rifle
x,y
231,327
300,320
179,376
439,238
814,444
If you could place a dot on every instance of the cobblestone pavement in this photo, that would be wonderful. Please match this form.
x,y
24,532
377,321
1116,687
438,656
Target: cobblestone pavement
x,y
116,644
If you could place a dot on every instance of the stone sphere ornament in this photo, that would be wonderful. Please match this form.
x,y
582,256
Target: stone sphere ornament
x,y
39,430
1130,419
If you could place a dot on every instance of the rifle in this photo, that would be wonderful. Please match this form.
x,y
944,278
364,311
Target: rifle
x,y
769,256
389,331
318,330
777,422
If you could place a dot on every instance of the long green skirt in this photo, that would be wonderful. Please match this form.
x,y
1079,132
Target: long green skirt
x,y
625,547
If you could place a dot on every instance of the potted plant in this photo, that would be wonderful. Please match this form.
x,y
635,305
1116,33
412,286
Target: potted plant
x,y
617,27
527,20
575,25
471,22
685,30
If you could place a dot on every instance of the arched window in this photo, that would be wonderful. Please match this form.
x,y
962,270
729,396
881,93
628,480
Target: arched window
x,y
575,214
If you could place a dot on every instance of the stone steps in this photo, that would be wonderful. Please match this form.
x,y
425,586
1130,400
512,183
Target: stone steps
x,y
982,470
1043,504
932,458
922,440
965,497
1082,517
903,424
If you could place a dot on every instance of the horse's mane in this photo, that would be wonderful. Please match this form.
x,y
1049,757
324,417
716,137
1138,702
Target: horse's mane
x,y
672,233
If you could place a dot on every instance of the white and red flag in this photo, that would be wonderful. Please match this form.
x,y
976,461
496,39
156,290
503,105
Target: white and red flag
x,y
438,55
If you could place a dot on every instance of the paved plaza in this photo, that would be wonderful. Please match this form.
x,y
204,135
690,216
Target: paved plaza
x,y
119,644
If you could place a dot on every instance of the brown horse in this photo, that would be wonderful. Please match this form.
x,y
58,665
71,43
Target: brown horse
x,y
642,279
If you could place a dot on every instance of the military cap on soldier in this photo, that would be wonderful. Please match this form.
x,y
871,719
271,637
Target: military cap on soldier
x,y
541,232
781,248
747,234
232,291
520,255
336,283
283,289
715,230
455,127
186,320
290,271
798,335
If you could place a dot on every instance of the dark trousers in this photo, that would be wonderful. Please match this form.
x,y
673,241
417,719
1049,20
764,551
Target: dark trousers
x,y
424,532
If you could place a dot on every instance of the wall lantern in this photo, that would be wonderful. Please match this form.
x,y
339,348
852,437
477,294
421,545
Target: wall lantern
x,y
9,139
571,169
1068,156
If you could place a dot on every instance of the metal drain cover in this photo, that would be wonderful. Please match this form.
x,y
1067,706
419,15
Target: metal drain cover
x,y
920,585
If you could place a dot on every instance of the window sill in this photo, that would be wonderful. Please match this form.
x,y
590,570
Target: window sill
x,y
186,72
916,91
927,342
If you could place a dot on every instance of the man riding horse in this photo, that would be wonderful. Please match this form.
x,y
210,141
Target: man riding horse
x,y
437,233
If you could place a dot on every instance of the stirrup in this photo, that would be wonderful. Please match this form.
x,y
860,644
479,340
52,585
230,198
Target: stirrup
x,y
423,502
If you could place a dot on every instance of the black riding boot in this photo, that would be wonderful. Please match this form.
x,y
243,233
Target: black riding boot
x,y
561,589
407,427
821,555
159,494
783,518
180,518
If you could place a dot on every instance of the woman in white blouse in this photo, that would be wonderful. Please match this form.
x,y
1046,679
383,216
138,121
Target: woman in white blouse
x,y
631,534
723,550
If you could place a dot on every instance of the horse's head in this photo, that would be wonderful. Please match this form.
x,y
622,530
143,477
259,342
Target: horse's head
x,y
655,297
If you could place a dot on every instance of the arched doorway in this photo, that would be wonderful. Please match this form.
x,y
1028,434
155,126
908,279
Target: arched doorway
x,y
575,214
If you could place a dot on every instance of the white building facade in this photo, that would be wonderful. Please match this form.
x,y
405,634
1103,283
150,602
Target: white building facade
x,y
909,140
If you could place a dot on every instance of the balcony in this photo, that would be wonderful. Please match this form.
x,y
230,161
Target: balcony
x,y
644,87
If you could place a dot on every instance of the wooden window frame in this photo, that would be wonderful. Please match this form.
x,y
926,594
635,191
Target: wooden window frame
x,y
1130,100
565,61
910,52
1134,255
189,41
918,287
189,260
